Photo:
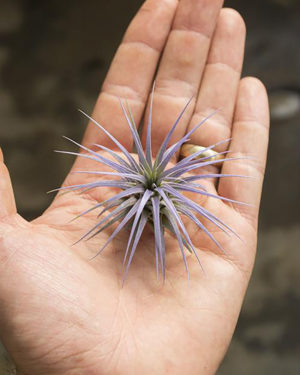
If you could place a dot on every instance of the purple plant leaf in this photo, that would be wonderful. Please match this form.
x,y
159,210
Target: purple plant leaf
x,y
168,157
181,171
179,168
101,183
174,214
202,211
115,212
111,202
143,202
135,177
158,235
163,249
125,193
186,187
207,215
196,154
126,219
213,175
167,226
98,205
223,198
99,159
156,265
203,159
136,139
170,179
115,141
179,239
142,223
148,139
166,141
116,203
192,131
192,217
119,159
111,222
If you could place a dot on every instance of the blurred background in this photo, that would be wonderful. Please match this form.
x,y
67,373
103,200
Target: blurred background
x,y
53,58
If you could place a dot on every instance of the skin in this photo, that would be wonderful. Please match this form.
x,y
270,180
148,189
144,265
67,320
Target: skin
x,y
62,313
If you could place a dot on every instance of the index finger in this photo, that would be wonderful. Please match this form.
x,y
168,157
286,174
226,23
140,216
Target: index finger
x,y
132,70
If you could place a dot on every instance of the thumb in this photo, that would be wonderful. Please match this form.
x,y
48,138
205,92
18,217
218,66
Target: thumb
x,y
7,199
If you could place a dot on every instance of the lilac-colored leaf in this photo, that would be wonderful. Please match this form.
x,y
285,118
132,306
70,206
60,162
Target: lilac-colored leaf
x,y
202,211
115,141
111,222
144,200
181,168
102,183
125,193
169,135
179,239
163,164
115,212
133,166
148,139
174,214
126,219
213,175
158,235
198,153
181,171
186,187
99,159
136,140
116,203
156,265
142,223
191,216
204,159
168,226
136,177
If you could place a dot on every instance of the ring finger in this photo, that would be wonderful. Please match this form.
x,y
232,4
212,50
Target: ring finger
x,y
220,83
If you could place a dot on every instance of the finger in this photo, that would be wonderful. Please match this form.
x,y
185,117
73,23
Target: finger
x,y
7,200
249,139
182,65
219,86
220,81
132,70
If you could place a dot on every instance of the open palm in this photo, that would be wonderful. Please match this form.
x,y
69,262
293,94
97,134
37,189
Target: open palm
x,y
62,313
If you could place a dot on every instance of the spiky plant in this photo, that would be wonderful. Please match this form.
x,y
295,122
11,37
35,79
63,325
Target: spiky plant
x,y
151,191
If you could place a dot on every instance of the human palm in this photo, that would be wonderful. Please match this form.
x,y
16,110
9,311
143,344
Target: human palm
x,y
63,313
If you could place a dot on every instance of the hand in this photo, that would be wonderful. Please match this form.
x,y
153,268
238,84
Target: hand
x,y
64,314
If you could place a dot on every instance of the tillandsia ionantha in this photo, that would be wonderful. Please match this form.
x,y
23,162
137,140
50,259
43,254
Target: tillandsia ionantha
x,y
152,192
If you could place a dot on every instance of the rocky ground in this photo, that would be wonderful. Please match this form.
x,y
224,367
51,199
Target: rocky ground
x,y
53,58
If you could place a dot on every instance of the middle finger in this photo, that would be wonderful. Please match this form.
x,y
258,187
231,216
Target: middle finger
x,y
183,61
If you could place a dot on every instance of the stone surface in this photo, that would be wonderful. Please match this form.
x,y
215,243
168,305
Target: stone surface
x,y
53,58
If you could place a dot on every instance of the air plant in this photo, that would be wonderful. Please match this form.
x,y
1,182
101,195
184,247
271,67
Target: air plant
x,y
151,191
